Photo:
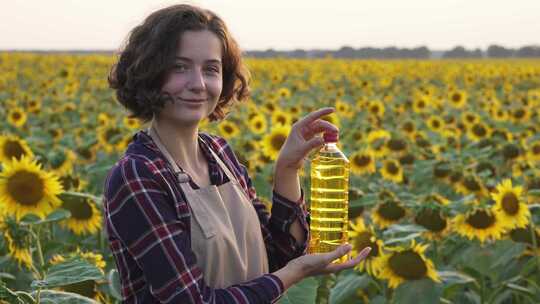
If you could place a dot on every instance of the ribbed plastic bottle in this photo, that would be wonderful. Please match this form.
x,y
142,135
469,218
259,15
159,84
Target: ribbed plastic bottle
x,y
329,202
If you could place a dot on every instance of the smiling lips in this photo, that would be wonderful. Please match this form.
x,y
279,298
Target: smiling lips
x,y
193,100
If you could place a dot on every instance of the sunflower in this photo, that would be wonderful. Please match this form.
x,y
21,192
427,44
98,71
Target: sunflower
x,y
273,141
344,109
457,98
377,142
110,137
409,128
435,123
87,288
433,220
391,170
72,182
56,134
479,131
86,154
18,241
420,104
103,119
360,237
13,146
533,151
284,93
520,115
85,216
228,129
376,108
471,184
509,204
131,123
281,117
524,235
362,162
62,162
332,118
257,124
388,212
34,106
480,223
26,188
16,117
404,264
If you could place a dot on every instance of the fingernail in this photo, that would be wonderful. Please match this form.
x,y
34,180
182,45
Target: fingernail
x,y
364,253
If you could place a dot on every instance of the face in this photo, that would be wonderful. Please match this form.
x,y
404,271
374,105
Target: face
x,y
195,81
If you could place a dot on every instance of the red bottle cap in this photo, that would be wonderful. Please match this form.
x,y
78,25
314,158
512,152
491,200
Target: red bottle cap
x,y
330,136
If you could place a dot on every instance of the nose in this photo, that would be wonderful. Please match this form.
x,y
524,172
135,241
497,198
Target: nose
x,y
196,81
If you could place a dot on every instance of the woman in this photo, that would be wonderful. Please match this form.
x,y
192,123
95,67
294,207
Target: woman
x,y
183,219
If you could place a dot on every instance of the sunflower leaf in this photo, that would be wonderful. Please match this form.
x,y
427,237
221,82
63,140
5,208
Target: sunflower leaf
x,y
519,288
455,277
417,292
300,293
114,284
347,286
397,228
94,198
55,296
69,272
404,239
11,296
534,192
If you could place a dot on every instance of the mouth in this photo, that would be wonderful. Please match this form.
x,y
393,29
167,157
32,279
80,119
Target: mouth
x,y
196,101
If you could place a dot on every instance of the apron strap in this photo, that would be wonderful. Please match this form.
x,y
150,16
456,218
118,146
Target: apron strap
x,y
178,172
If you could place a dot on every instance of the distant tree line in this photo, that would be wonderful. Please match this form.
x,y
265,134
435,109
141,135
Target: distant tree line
x,y
493,51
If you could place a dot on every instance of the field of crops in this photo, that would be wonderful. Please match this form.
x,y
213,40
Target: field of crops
x,y
445,182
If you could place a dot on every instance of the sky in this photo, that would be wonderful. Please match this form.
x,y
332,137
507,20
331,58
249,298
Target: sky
x,y
281,24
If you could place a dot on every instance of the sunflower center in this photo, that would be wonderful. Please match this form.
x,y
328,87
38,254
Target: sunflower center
x,y
471,184
80,209
519,113
362,160
397,144
510,151
431,220
523,235
258,125
277,141
407,159
408,264
481,219
281,120
26,188
456,97
510,203
374,109
441,170
391,211
536,149
392,168
112,134
228,129
16,116
363,240
12,148
479,130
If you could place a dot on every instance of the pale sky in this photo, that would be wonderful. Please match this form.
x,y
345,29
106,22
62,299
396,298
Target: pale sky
x,y
282,24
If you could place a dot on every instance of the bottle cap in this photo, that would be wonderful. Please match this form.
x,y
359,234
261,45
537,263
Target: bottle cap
x,y
330,136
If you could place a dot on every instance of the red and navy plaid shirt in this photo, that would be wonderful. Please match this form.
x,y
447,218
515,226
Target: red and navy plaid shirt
x,y
148,224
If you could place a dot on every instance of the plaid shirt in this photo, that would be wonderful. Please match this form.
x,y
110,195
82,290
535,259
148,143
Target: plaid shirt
x,y
148,224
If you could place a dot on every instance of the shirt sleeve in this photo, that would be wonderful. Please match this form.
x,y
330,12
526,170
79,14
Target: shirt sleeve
x,y
280,243
142,216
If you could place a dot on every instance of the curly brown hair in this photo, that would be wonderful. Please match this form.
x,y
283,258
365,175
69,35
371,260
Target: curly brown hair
x,y
149,54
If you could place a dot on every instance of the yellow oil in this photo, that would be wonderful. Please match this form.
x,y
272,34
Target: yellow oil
x,y
329,200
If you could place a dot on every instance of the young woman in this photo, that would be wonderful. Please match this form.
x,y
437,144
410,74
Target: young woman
x,y
183,219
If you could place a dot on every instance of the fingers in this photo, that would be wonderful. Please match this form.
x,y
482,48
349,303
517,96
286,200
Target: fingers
x,y
319,126
338,252
350,263
311,117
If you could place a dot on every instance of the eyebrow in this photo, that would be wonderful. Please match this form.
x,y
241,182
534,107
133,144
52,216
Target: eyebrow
x,y
206,61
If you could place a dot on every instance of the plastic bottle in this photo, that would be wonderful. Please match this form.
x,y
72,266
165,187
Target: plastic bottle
x,y
329,204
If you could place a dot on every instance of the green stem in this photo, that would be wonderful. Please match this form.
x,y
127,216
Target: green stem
x,y
482,290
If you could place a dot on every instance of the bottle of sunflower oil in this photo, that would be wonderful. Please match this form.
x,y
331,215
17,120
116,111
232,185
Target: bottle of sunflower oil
x,y
329,204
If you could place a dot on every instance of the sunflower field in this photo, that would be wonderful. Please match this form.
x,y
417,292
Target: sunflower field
x,y
445,176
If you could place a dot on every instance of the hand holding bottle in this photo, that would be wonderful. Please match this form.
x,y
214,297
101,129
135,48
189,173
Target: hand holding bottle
x,y
302,139
318,264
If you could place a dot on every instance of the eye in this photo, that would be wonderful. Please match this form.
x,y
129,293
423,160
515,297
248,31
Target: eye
x,y
179,67
213,69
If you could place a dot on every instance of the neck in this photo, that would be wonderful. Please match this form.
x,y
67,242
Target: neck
x,y
181,143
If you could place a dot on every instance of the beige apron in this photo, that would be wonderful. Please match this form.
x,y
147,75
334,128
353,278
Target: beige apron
x,y
225,233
